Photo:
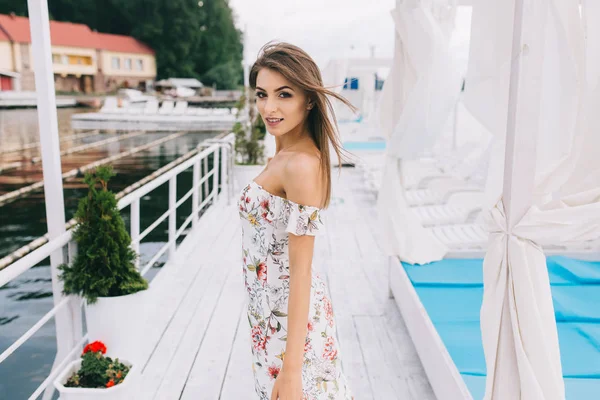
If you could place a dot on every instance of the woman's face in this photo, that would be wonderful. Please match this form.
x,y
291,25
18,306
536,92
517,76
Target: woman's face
x,y
282,105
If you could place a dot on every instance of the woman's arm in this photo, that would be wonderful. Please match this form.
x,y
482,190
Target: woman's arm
x,y
302,186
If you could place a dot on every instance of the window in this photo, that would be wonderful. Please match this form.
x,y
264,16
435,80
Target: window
x,y
351,83
128,64
116,63
56,58
65,59
378,83
139,64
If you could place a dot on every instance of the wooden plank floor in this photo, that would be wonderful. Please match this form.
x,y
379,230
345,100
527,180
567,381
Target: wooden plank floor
x,y
202,346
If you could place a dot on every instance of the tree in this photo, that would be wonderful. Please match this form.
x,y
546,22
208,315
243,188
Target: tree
x,y
104,264
189,41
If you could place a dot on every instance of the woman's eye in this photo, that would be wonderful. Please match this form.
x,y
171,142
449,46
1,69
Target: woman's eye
x,y
260,95
285,94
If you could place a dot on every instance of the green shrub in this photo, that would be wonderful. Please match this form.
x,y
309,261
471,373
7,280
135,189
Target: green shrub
x,y
105,263
249,150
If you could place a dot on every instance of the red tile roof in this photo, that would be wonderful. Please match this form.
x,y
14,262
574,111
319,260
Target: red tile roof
x,y
3,37
121,43
72,35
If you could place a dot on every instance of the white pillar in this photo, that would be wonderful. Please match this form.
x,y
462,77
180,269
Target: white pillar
x,y
68,320
525,87
522,126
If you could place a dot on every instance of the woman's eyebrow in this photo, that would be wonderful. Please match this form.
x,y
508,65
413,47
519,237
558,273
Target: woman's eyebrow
x,y
277,90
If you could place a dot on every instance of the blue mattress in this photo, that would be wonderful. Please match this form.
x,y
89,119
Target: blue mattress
x,y
575,388
452,291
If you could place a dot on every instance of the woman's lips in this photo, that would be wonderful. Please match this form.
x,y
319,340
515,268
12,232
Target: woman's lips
x,y
272,122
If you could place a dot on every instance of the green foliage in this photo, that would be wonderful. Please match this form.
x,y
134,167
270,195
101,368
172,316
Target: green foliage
x,y
248,148
97,371
104,265
189,41
223,75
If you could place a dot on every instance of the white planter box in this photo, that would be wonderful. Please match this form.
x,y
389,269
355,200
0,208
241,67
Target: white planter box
x,y
243,174
119,323
122,391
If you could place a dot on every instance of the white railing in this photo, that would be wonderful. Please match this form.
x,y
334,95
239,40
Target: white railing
x,y
67,309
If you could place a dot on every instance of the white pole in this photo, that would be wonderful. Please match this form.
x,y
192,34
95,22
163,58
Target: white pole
x,y
68,320
525,88
195,195
522,125
455,127
172,217
135,229
246,66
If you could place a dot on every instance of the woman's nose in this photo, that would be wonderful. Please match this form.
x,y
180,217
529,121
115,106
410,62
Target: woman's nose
x,y
270,105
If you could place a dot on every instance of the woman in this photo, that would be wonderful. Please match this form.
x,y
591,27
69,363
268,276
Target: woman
x,y
294,343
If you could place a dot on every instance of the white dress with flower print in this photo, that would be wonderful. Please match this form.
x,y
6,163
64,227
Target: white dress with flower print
x,y
267,220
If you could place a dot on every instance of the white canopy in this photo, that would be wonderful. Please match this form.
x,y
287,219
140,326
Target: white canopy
x,y
419,95
549,193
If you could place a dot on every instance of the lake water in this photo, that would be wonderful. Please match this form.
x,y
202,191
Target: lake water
x,y
25,300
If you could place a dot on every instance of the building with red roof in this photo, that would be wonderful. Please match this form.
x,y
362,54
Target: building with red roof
x,y
84,60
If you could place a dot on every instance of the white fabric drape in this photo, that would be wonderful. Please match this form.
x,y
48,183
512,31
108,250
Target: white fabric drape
x,y
436,87
418,97
517,316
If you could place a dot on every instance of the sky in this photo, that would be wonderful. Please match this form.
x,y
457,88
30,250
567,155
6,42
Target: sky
x,y
328,29
325,29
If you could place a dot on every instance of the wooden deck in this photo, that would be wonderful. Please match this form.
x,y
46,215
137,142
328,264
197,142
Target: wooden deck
x,y
202,346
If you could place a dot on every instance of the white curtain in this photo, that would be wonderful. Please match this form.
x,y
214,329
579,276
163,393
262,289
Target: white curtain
x,y
418,97
517,316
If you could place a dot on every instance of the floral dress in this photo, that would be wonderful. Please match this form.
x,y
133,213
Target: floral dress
x,y
266,221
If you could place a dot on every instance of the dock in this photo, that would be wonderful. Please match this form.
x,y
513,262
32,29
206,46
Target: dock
x,y
12,99
203,348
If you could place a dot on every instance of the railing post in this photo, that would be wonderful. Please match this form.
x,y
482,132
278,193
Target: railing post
x,y
172,216
216,164
205,162
74,304
135,230
231,159
195,194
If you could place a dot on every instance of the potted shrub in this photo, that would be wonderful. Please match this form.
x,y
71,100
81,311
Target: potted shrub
x,y
95,376
104,272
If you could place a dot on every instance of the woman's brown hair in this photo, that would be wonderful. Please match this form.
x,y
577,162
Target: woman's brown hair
x,y
299,68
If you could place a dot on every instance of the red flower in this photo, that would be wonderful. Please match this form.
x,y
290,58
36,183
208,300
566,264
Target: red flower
x,y
95,347
265,204
310,326
274,371
307,345
247,199
328,311
329,351
257,337
261,271
110,383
